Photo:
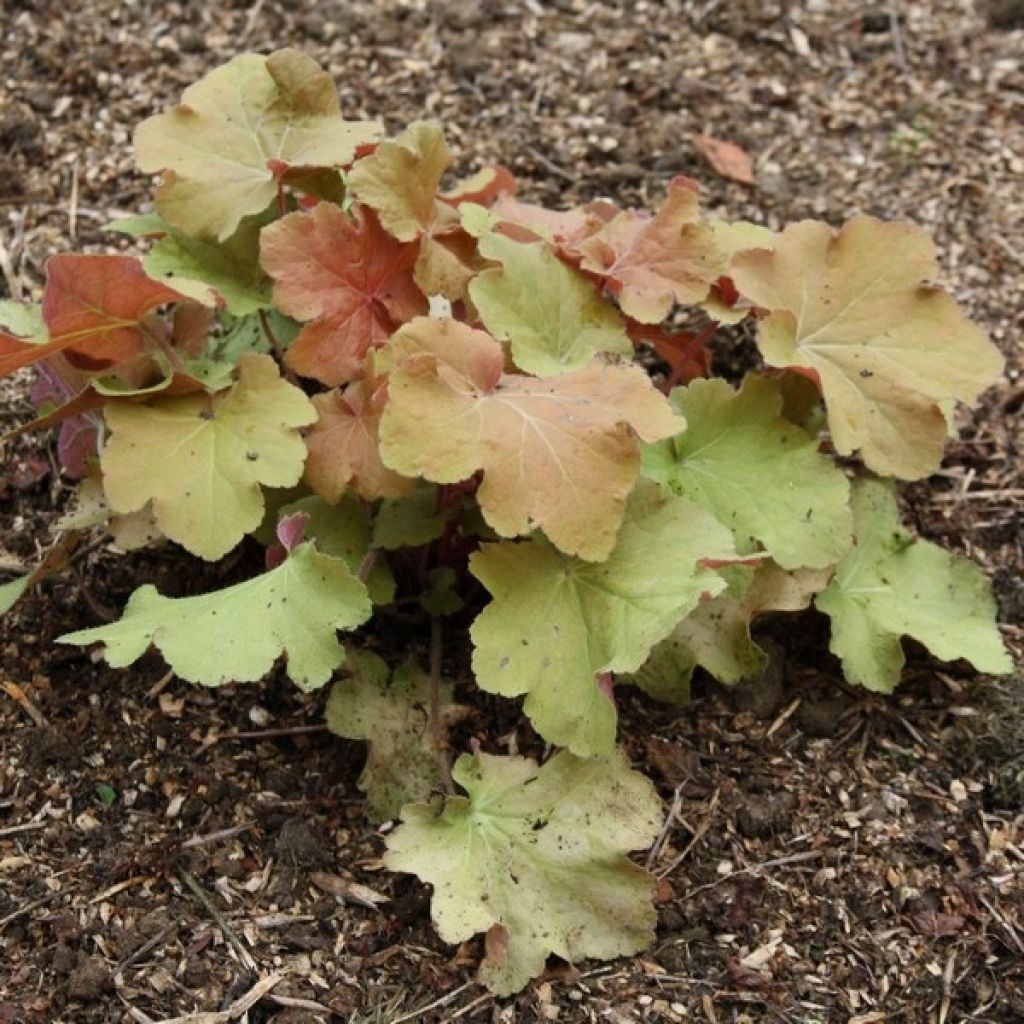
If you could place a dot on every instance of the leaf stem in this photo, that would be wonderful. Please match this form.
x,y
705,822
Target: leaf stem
x,y
275,346
436,726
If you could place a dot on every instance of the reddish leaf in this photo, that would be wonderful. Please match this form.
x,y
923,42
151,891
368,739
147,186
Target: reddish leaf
x,y
92,306
652,262
728,159
483,187
349,280
343,447
685,353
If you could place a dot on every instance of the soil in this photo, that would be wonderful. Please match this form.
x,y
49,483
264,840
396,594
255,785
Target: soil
x,y
834,856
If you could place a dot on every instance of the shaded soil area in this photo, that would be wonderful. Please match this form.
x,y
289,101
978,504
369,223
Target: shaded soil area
x,y
829,855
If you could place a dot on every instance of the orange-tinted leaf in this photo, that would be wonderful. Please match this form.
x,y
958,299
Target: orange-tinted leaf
x,y
727,158
344,449
559,453
567,228
686,354
349,280
483,187
400,180
652,262
890,352
92,307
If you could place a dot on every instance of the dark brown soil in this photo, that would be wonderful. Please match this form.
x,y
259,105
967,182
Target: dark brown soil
x,y
834,856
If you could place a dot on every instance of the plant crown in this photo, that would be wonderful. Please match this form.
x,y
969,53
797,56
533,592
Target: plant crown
x,y
413,389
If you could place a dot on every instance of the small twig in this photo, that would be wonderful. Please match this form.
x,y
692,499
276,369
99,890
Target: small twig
x,y
697,836
271,734
436,725
897,36
29,826
27,909
548,165
276,348
216,837
18,695
442,1001
218,917
665,828
146,947
367,564
294,1003
73,202
463,1010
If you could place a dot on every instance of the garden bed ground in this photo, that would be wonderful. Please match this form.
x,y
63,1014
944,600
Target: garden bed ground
x,y
834,856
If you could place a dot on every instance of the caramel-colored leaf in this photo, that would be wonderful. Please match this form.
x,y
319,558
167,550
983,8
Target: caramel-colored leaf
x,y
559,453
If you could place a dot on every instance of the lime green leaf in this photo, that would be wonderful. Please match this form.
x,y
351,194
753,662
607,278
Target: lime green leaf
x,y
559,453
537,856
716,634
890,351
343,530
411,521
556,621
23,321
237,131
236,634
201,459
106,794
402,763
759,474
11,591
554,318
891,585
211,272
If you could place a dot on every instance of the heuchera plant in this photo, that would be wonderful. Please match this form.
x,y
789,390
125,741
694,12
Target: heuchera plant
x,y
401,385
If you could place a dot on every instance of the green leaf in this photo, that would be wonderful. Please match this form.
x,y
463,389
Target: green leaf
x,y
235,634
343,530
891,585
206,270
11,591
556,621
25,322
535,857
392,714
237,131
555,319
106,794
410,521
202,459
442,598
759,474
716,634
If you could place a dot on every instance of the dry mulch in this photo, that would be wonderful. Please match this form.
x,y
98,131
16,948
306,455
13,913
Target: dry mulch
x,y
828,855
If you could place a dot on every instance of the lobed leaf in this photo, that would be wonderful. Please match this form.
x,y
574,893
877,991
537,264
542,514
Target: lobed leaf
x,y
536,857
716,634
559,453
556,621
344,446
853,308
347,280
93,309
760,475
201,459
237,132
891,585
651,263
236,634
343,531
392,715
554,318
